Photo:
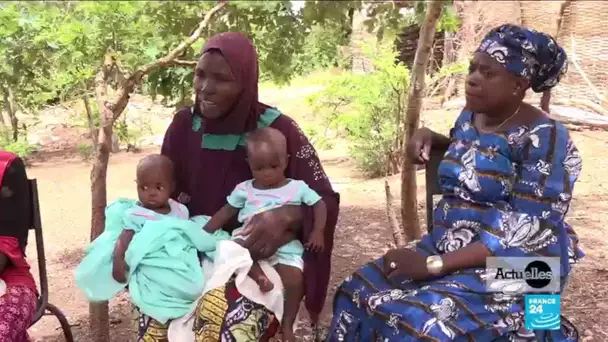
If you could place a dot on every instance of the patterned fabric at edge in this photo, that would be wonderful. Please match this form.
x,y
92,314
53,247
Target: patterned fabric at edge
x,y
151,330
221,315
511,191
17,307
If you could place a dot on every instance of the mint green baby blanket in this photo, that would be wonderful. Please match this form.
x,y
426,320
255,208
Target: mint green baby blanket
x,y
165,277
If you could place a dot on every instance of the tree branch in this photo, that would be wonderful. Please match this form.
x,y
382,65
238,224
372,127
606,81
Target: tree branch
x,y
392,217
122,98
180,62
184,45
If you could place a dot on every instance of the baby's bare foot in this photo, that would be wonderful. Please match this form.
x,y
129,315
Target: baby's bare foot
x,y
265,284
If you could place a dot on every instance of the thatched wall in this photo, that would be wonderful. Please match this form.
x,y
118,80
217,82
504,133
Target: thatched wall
x,y
584,22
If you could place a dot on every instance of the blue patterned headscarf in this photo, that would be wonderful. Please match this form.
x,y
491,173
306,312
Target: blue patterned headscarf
x,y
527,53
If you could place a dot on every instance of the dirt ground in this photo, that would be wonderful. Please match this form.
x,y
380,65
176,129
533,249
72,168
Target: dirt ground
x,y
362,233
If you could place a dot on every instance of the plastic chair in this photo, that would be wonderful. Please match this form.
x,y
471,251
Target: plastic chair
x,y
43,299
432,183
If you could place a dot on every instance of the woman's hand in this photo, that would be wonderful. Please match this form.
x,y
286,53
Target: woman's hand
x,y
268,230
419,146
405,263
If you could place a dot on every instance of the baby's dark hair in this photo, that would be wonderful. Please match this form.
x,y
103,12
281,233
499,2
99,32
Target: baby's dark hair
x,y
156,160
268,136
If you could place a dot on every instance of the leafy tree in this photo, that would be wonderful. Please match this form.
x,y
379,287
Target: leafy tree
x,y
26,53
274,27
322,49
369,110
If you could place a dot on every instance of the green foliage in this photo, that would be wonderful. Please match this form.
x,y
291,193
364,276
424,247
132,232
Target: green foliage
x,y
85,150
273,26
20,147
90,30
26,51
122,131
52,50
72,39
322,50
385,19
288,42
369,110
448,21
132,133
317,136
443,75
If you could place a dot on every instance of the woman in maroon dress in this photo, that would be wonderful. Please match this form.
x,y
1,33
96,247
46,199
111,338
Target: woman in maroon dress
x,y
206,144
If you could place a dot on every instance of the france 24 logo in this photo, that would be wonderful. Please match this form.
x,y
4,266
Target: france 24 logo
x,y
542,312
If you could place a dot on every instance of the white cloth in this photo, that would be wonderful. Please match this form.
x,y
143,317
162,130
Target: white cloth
x,y
231,258
2,287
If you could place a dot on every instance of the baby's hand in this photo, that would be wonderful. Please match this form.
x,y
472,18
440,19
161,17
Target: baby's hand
x,y
120,270
316,242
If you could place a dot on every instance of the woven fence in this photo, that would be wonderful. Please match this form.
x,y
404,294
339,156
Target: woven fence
x,y
582,32
360,63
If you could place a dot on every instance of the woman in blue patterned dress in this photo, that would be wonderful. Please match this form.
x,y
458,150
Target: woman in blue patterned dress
x,y
507,181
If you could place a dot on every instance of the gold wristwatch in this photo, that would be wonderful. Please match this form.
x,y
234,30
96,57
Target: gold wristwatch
x,y
434,264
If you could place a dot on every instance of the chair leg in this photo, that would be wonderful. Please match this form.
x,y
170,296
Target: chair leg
x,y
65,325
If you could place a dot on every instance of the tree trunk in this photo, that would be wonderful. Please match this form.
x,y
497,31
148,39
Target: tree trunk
x,y
9,103
98,312
409,203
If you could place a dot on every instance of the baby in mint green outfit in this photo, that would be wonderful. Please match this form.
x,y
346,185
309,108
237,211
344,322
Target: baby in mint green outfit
x,y
270,189
150,246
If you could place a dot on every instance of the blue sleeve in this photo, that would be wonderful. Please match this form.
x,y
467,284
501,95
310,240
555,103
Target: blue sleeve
x,y
547,167
238,196
307,195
